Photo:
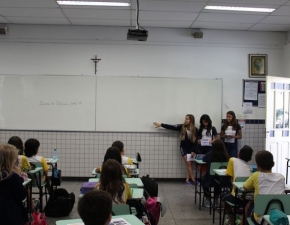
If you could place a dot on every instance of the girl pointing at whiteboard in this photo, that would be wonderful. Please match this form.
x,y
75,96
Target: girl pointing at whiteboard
x,y
188,133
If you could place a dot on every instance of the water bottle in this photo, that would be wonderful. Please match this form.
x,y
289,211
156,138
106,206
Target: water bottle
x,y
54,155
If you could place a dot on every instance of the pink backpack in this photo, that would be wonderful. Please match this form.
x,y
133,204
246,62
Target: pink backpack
x,y
154,208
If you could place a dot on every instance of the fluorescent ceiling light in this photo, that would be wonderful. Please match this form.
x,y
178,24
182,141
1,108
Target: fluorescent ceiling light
x,y
232,8
91,3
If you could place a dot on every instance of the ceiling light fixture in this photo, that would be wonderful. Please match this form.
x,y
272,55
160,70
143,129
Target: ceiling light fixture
x,y
95,3
233,8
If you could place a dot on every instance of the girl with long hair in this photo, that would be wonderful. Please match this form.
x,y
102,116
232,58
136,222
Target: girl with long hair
x,y
188,133
230,132
12,191
207,134
112,181
113,153
218,153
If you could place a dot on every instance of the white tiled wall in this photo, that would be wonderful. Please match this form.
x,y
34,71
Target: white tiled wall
x,y
80,152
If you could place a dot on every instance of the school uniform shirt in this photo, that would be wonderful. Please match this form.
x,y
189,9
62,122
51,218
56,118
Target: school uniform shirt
x,y
23,163
37,158
265,183
12,193
202,133
126,160
238,168
231,131
127,193
186,143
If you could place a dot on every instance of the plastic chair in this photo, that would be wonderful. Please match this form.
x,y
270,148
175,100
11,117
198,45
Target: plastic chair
x,y
121,209
37,181
215,165
238,179
264,201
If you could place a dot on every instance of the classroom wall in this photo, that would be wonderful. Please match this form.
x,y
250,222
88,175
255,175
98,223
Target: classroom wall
x,y
64,50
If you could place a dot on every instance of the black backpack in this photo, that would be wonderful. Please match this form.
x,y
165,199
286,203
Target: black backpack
x,y
150,186
60,203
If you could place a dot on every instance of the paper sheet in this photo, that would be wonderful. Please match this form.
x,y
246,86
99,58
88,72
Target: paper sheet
x,y
251,90
262,100
119,221
247,108
188,156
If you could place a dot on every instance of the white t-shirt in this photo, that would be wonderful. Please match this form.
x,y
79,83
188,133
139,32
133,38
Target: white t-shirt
x,y
230,131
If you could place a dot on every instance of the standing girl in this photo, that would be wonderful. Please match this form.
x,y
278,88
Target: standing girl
x,y
207,134
12,191
230,132
188,133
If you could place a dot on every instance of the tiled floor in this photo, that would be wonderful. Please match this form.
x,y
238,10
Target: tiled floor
x,y
181,209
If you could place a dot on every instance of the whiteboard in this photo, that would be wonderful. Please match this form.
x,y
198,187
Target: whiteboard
x,y
132,104
47,102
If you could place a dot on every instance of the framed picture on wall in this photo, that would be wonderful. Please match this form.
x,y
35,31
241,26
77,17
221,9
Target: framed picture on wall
x,y
258,65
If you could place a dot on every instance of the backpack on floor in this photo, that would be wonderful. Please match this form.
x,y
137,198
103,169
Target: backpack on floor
x,y
153,207
150,186
60,203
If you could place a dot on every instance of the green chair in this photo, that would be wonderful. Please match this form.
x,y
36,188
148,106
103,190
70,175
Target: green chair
x,y
215,165
121,209
264,201
238,179
37,181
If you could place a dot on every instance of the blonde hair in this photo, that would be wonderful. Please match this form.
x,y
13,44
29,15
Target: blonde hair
x,y
191,127
8,158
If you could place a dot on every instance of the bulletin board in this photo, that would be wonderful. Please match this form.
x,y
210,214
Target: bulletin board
x,y
254,91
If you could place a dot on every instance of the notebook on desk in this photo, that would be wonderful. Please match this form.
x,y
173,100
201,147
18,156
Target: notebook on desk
x,y
48,159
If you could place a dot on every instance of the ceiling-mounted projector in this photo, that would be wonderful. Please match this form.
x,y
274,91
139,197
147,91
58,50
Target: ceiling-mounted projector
x,y
137,35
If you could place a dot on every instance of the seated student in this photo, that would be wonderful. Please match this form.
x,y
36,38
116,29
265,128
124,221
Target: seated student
x,y
112,181
95,208
24,165
31,147
238,167
113,153
12,191
263,181
218,153
120,146
22,159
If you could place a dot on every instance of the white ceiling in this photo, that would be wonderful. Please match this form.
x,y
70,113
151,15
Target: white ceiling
x,y
153,13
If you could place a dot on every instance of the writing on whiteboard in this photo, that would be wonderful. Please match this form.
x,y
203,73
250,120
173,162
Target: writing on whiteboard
x,y
60,103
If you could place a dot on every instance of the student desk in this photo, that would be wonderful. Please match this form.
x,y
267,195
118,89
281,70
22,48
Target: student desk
x,y
52,162
134,173
137,181
137,194
220,174
133,220
199,163
267,219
